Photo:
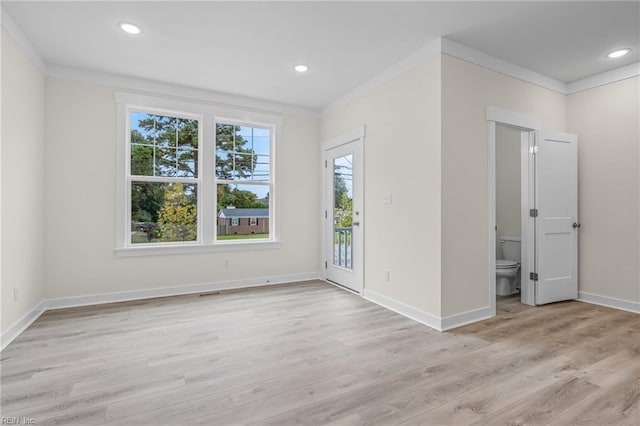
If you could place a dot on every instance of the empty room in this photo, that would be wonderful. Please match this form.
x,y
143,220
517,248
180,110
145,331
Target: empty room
x,y
320,213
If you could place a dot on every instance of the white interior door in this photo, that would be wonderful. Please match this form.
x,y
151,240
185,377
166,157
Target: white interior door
x,y
557,223
344,215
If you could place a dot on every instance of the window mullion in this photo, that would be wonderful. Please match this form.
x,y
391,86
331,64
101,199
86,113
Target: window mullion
x,y
163,179
243,182
155,148
206,174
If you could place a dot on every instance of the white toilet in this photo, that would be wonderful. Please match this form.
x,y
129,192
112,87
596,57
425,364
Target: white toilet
x,y
508,269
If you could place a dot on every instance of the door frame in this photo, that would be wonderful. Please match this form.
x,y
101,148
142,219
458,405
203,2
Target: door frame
x,y
355,135
528,124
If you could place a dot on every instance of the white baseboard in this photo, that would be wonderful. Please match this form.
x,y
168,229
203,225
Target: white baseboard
x,y
437,323
464,318
21,325
404,310
610,302
123,296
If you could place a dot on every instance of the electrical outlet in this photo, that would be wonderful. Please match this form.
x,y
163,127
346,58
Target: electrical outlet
x,y
386,198
15,295
387,275
226,264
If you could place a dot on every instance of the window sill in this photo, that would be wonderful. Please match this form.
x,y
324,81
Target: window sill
x,y
196,248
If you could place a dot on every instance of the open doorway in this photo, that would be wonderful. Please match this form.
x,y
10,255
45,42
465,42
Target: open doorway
x,y
515,220
509,207
511,193
548,210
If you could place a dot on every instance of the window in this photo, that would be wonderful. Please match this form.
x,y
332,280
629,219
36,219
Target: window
x,y
189,175
163,178
243,175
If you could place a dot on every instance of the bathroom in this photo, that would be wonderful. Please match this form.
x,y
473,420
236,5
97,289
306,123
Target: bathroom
x,y
509,156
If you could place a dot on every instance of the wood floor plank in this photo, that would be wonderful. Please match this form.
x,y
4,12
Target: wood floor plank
x,y
615,405
498,393
310,354
543,406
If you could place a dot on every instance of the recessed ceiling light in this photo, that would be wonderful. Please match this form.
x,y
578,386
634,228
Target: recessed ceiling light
x,y
618,53
129,28
301,68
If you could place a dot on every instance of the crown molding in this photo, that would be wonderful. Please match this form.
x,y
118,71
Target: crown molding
x,y
176,90
428,51
602,79
468,54
460,51
484,60
22,41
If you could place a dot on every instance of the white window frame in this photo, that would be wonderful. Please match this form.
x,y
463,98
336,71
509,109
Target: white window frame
x,y
208,115
197,181
269,184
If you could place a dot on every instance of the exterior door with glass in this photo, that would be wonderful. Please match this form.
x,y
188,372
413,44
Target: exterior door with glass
x,y
344,215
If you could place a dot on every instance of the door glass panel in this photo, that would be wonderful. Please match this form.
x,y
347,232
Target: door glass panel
x,y
342,211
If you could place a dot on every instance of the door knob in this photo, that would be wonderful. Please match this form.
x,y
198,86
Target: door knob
x,y
576,225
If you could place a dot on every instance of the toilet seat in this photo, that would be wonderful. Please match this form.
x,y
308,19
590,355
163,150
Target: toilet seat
x,y
506,264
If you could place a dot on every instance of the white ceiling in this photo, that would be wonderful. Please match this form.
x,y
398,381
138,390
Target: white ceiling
x,y
249,49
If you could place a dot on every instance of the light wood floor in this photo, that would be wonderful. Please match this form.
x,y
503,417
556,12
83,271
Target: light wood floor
x,y
313,354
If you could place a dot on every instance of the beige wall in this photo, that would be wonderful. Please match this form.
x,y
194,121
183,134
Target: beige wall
x,y
22,183
607,122
508,199
81,197
467,90
402,156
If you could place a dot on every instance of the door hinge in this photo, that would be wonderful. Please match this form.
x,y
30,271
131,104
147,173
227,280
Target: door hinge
x,y
533,276
325,264
533,150
325,214
325,164
533,213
